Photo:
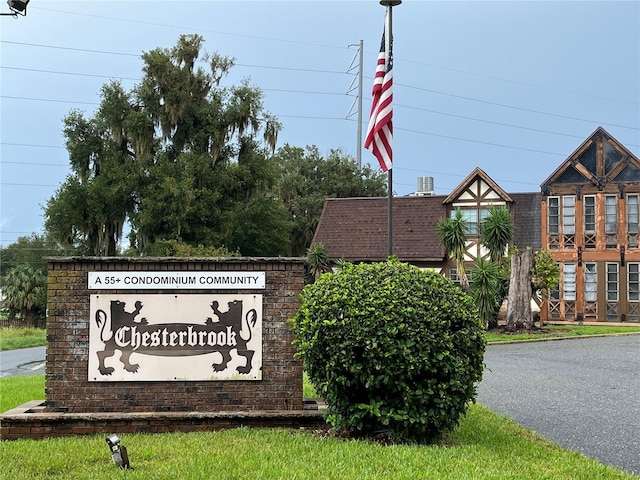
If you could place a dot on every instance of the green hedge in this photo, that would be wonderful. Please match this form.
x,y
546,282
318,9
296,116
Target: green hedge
x,y
391,349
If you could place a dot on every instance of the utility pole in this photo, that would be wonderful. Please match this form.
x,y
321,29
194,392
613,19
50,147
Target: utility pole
x,y
358,99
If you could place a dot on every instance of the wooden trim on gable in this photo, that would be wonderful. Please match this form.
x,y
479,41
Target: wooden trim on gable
x,y
567,163
599,177
581,169
470,181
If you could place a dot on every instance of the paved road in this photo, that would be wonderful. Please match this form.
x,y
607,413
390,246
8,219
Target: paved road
x,y
24,361
582,394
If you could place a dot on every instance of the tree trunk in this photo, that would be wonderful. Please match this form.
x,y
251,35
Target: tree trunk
x,y
519,306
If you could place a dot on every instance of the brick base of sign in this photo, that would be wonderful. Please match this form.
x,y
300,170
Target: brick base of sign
x,y
69,386
32,421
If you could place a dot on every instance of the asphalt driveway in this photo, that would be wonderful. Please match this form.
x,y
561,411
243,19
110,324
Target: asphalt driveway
x,y
582,394
21,362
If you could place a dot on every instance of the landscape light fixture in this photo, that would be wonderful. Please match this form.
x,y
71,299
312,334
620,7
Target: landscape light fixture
x,y
17,7
118,452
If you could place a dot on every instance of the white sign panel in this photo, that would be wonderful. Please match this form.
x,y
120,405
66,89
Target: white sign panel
x,y
176,280
158,337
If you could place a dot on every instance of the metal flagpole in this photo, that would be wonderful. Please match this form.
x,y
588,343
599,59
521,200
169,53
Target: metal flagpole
x,y
389,4
360,58
390,210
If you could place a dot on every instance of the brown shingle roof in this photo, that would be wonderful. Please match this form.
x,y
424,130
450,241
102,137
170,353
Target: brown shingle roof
x,y
355,229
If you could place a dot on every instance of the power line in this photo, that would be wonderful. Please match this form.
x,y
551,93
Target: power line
x,y
472,99
34,163
420,132
76,49
56,72
464,117
31,99
518,82
351,120
27,185
31,249
457,175
343,94
269,67
311,117
309,70
398,59
184,28
487,102
30,145
479,142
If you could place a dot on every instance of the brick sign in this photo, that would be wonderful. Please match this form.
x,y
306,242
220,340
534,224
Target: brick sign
x,y
170,337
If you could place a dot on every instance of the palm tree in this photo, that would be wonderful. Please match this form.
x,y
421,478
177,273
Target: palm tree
x,y
24,289
453,238
496,231
318,260
486,291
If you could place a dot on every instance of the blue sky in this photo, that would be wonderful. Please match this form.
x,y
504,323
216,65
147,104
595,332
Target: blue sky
x,y
511,87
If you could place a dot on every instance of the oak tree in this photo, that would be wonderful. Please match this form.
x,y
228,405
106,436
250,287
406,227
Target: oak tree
x,y
171,157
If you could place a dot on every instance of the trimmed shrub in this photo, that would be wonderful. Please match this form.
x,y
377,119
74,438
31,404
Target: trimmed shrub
x,y
391,349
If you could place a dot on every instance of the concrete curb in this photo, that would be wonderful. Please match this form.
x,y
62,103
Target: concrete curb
x,y
555,339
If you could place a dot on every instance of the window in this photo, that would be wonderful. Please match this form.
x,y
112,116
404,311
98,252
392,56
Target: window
x,y
555,310
590,214
569,281
561,221
612,282
632,214
484,213
611,214
590,222
633,281
568,215
568,225
590,282
453,276
554,215
612,292
473,217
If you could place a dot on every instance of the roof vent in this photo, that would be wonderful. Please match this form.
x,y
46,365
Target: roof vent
x,y
425,186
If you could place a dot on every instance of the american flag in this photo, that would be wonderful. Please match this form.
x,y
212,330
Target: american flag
x,y
380,129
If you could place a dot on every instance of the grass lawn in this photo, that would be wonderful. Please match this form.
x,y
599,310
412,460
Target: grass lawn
x,y
15,391
483,446
560,331
13,338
